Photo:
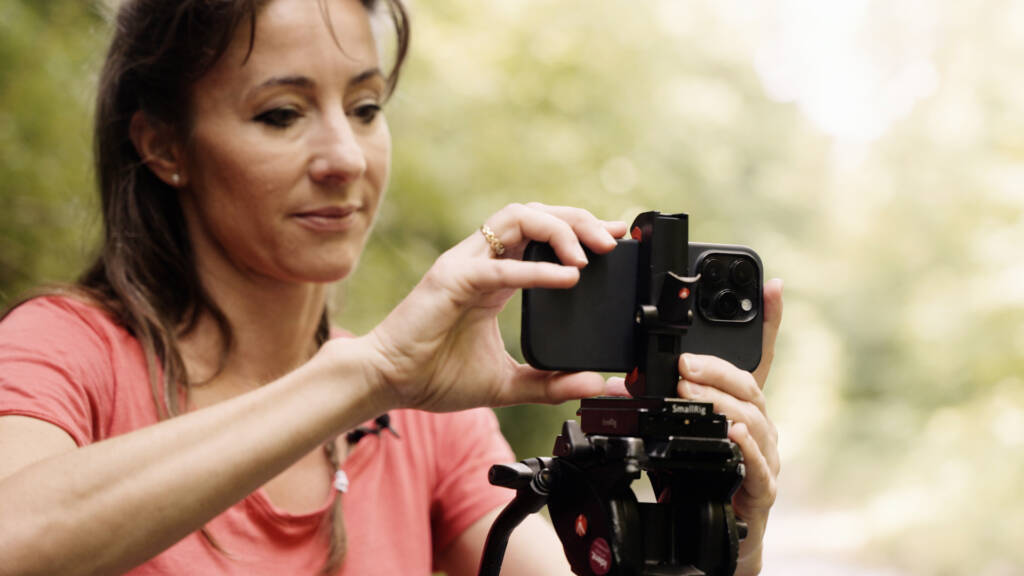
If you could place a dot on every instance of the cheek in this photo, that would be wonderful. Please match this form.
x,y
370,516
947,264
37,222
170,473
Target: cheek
x,y
237,195
235,171
378,164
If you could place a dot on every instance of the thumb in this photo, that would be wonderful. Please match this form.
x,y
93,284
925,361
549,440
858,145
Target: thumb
x,y
772,321
532,386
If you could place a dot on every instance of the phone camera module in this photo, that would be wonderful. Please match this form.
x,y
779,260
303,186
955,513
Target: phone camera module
x,y
729,288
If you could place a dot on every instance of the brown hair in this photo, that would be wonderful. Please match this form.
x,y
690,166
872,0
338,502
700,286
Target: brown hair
x,y
145,274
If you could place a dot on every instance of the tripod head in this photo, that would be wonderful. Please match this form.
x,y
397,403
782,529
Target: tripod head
x,y
682,446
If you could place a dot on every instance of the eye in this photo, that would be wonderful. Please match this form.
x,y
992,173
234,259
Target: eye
x,y
279,117
367,112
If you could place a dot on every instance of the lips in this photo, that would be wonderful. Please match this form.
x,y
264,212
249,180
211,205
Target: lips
x,y
329,212
327,218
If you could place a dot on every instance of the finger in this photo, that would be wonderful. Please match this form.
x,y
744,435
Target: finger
x,y
589,231
772,321
760,480
492,274
516,224
739,412
617,228
592,232
616,386
532,386
723,375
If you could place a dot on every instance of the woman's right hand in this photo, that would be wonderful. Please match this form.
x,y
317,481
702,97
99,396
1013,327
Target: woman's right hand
x,y
440,349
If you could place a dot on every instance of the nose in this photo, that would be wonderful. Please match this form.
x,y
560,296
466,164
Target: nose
x,y
338,155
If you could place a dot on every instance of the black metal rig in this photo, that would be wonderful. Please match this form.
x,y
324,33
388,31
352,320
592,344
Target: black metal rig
x,y
683,447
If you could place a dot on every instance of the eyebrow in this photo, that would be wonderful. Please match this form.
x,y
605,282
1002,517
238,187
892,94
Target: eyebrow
x,y
306,83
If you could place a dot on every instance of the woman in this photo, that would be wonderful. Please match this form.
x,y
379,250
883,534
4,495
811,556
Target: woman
x,y
242,156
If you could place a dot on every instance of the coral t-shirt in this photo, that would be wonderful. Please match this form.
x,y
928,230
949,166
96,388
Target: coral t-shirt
x,y
68,363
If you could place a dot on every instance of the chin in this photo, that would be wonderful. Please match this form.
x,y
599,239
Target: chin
x,y
326,275
323,272
319,264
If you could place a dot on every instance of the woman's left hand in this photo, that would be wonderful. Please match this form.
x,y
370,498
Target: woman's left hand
x,y
738,395
441,350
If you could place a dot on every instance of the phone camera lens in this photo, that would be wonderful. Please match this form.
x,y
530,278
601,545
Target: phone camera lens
x,y
726,305
714,270
727,291
743,272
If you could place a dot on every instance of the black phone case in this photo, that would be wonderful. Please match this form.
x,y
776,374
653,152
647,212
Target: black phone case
x,y
591,326
740,344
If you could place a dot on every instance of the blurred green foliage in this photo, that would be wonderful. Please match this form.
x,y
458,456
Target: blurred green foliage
x,y
898,382
49,56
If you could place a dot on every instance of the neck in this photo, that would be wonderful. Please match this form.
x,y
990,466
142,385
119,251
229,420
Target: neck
x,y
273,328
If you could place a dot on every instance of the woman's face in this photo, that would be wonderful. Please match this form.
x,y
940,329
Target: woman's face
x,y
289,155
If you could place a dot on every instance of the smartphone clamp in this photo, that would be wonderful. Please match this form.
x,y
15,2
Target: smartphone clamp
x,y
694,469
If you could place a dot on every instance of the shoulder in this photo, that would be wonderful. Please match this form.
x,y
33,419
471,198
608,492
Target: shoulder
x,y
66,334
58,361
66,311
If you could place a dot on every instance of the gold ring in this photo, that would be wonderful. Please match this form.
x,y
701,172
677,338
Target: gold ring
x,y
497,248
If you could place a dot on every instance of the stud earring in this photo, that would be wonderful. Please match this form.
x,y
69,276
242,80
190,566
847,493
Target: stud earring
x,y
176,179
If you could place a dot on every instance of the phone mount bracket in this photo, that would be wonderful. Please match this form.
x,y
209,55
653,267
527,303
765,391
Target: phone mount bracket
x,y
664,306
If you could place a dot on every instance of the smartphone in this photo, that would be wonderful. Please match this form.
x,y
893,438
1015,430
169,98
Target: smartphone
x,y
592,326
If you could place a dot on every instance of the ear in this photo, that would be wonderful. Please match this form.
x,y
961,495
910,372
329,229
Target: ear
x,y
159,149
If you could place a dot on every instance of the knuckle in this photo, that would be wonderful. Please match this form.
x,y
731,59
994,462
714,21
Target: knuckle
x,y
724,369
515,210
565,230
688,390
495,269
707,367
579,215
750,383
550,397
441,269
746,384
771,492
591,218
750,416
449,262
722,373
754,394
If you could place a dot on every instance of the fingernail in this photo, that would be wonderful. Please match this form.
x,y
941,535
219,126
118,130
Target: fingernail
x,y
691,363
570,271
